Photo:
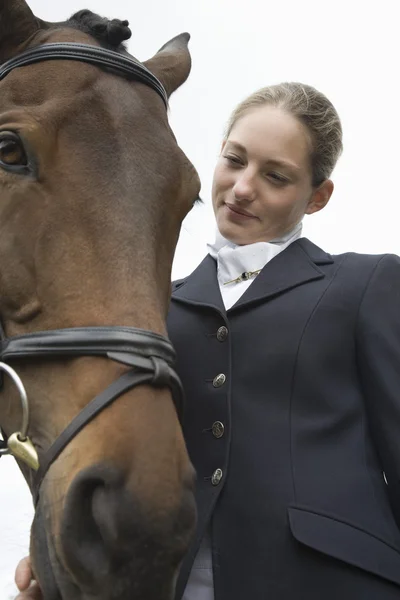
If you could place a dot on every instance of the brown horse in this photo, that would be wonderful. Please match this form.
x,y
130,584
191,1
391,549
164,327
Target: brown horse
x,y
93,192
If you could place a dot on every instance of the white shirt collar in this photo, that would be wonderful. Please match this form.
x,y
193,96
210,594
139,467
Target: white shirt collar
x,y
220,241
233,260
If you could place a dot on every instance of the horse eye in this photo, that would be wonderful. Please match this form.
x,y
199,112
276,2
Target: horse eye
x,y
12,152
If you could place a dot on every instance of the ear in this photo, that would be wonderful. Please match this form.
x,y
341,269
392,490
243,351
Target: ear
x,y
320,197
172,63
17,25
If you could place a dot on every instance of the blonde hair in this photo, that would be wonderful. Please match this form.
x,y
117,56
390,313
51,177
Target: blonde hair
x,y
313,110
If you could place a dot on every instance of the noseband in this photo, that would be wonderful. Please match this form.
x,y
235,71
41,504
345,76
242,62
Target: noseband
x,y
150,355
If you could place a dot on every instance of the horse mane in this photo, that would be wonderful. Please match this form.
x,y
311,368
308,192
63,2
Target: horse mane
x,y
110,33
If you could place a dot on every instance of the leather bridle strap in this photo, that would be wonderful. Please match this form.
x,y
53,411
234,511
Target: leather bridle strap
x,y
151,355
119,63
89,341
126,382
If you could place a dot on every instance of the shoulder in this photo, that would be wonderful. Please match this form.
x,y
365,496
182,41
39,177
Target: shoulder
x,y
365,258
374,263
348,259
379,307
354,270
375,276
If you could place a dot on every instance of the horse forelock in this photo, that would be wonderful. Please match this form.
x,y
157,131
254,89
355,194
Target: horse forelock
x,y
111,33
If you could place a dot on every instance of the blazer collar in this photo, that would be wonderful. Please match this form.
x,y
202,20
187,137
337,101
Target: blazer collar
x,y
299,263
200,287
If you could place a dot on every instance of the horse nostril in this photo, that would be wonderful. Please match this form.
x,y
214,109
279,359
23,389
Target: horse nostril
x,y
118,545
84,537
107,506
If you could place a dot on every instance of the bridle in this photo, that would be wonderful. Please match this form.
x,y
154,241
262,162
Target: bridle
x,y
150,355
126,66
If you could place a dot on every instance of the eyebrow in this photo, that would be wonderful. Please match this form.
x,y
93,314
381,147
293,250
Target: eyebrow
x,y
276,163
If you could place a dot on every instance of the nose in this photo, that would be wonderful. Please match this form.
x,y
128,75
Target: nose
x,y
244,188
111,540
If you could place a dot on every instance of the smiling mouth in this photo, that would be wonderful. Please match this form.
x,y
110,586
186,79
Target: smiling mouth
x,y
238,211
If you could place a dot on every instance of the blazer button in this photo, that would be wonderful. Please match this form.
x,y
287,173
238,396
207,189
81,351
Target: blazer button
x,y
216,477
219,380
222,334
218,429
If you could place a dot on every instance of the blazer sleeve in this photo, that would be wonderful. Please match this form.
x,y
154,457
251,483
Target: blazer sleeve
x,y
378,352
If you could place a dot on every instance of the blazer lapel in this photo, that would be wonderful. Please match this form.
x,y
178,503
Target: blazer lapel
x,y
200,287
296,265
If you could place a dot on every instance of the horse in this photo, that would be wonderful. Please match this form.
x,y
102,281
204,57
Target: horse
x,y
94,188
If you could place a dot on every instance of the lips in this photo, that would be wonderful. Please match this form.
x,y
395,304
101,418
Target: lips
x,y
239,211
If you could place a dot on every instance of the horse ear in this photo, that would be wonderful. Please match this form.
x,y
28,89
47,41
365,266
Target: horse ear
x,y
172,63
17,25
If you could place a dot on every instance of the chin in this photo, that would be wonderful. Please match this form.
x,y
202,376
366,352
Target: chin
x,y
234,234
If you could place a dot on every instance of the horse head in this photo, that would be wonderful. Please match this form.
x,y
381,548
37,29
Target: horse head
x,y
93,192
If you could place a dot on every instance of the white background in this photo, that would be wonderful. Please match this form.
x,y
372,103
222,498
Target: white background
x,y
348,49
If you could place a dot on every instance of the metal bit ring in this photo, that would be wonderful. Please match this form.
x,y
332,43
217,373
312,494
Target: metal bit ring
x,y
24,402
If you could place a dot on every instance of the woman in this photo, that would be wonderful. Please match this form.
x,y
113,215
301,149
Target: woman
x,y
290,359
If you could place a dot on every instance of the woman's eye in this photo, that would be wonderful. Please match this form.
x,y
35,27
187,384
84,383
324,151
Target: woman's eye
x,y
12,153
277,178
235,160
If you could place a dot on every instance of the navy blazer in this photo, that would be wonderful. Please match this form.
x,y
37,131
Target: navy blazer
x,y
297,447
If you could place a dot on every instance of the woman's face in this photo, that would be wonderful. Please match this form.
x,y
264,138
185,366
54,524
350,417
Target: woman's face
x,y
262,183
